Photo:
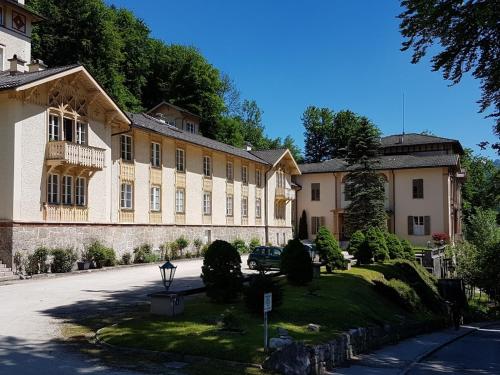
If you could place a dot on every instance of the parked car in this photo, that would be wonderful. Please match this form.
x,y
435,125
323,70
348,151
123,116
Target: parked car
x,y
265,256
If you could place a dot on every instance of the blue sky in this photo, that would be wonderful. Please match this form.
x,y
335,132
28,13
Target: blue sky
x,y
338,54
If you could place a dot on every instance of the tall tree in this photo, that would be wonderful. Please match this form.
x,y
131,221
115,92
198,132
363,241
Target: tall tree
x,y
289,143
469,35
345,124
318,126
303,233
365,186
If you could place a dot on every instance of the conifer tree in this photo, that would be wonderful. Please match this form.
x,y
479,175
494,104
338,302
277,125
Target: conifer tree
x,y
364,185
303,233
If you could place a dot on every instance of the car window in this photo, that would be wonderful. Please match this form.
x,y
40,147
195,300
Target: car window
x,y
258,251
267,251
275,251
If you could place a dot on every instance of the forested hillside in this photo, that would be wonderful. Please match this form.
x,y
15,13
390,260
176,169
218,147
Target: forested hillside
x,y
139,71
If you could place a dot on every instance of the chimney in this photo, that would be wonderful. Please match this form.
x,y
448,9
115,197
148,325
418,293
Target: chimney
x,y
16,65
248,146
36,65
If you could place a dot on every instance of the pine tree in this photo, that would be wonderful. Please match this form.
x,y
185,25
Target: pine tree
x,y
303,234
366,188
329,250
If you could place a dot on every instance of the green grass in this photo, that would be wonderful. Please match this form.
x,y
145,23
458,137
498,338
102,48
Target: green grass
x,y
344,300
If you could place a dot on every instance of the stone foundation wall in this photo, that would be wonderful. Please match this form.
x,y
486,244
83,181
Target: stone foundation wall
x,y
122,238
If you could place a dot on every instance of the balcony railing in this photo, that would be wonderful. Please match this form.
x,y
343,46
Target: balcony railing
x,y
75,154
284,194
65,213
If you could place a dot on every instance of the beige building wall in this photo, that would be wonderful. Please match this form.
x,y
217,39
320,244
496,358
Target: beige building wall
x,y
7,146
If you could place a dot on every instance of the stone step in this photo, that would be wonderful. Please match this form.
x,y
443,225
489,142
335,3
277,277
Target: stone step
x,y
2,265
6,273
8,278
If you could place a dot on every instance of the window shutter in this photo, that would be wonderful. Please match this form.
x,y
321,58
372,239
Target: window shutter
x,y
427,225
322,221
410,225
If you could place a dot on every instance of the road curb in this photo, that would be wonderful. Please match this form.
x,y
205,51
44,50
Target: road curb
x,y
430,352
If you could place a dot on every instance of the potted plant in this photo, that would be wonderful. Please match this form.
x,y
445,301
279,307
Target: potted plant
x,y
86,260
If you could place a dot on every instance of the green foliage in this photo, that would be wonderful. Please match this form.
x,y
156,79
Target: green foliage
x,y
181,243
37,262
229,321
329,250
366,187
102,256
356,242
63,260
482,229
398,292
467,263
318,126
257,287
375,240
240,245
204,250
303,233
143,253
254,242
489,264
174,251
296,263
408,251
467,32
127,258
197,243
19,262
221,272
394,246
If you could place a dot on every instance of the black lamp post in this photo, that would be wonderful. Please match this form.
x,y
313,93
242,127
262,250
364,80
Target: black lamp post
x,y
167,271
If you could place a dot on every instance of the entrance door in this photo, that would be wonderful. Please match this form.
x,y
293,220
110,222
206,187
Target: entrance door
x,y
68,130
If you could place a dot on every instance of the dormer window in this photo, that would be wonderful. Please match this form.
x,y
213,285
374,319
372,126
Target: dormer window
x,y
190,127
18,22
1,16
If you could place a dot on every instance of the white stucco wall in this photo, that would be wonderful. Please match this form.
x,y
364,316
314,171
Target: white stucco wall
x,y
7,131
15,43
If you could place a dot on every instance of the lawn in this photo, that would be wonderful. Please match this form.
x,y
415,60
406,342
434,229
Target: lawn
x,y
343,300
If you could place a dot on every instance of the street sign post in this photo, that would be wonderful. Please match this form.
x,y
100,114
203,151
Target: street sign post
x,y
268,306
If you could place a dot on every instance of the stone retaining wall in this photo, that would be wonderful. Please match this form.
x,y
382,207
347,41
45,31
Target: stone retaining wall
x,y
122,238
301,359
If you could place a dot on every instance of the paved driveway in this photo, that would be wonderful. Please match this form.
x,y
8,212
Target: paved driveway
x,y
31,313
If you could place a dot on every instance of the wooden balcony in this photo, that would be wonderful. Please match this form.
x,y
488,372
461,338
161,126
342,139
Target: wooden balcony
x,y
65,213
74,154
284,194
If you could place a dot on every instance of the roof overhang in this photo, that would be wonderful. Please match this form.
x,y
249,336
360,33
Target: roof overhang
x,y
164,103
121,116
290,160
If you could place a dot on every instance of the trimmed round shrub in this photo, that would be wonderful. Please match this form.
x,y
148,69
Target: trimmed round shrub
x,y
240,246
221,272
394,246
329,250
408,252
398,292
63,260
296,263
376,242
257,287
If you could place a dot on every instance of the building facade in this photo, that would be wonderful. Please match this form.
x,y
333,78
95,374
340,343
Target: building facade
x,y
422,177
77,168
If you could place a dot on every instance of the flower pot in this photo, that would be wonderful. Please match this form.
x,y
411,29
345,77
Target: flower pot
x,y
83,265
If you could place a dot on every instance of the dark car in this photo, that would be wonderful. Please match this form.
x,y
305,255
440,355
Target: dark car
x,y
265,256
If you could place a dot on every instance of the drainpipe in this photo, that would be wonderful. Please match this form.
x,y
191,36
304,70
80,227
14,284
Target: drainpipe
x,y
266,228
393,202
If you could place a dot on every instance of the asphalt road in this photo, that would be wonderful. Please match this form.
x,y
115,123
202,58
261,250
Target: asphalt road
x,y
476,353
31,313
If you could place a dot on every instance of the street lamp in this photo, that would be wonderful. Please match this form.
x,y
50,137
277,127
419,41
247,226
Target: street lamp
x,y
167,271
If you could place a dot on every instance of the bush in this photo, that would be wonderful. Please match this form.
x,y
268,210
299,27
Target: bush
x,y
221,272
398,292
102,256
174,251
19,262
296,263
359,249
440,238
127,258
181,243
329,250
394,246
197,243
254,292
229,321
143,254
408,252
37,262
254,242
375,240
204,250
240,245
63,260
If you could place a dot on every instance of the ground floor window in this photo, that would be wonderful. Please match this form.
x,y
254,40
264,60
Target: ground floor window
x,y
67,190
207,203
53,189
126,196
258,208
419,225
155,198
244,207
229,205
316,223
179,201
81,191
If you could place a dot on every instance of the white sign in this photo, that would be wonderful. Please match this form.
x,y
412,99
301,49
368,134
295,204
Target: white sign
x,y
268,302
